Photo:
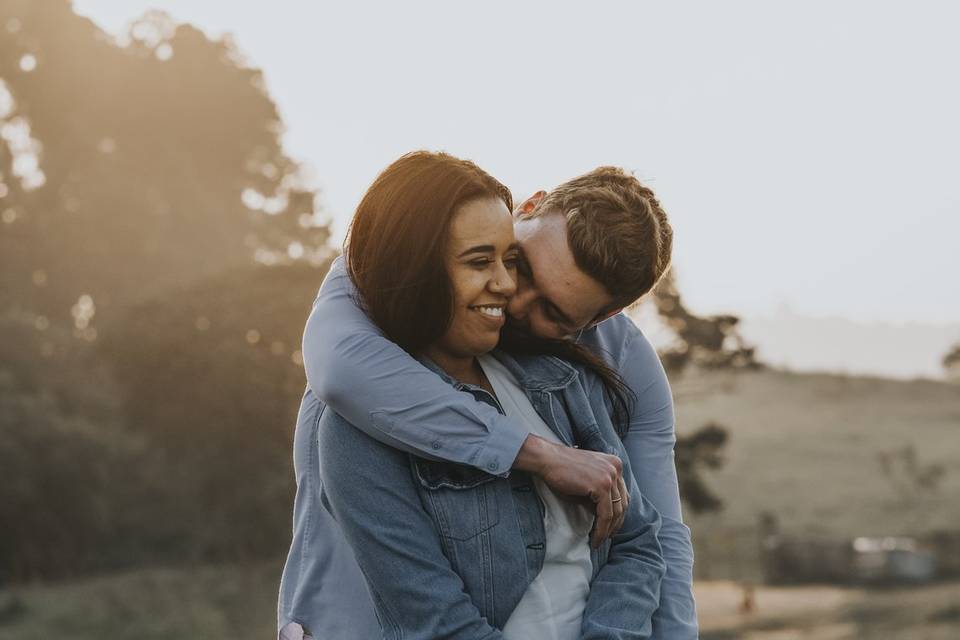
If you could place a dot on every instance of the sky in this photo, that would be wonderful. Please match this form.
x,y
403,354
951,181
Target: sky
x,y
808,153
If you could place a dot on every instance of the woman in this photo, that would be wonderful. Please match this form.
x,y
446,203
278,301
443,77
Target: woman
x,y
447,550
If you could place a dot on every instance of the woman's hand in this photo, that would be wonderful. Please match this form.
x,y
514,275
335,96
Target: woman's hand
x,y
583,474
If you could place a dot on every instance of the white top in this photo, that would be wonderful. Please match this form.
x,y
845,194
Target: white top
x,y
552,607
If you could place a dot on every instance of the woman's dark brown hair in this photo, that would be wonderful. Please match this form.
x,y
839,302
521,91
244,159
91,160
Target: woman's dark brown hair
x,y
397,242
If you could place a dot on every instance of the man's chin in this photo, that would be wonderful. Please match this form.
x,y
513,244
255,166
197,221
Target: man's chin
x,y
518,326
522,327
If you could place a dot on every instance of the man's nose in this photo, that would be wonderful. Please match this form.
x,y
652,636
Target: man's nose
x,y
520,303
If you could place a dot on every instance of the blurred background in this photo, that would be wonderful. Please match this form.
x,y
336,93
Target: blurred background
x,y
176,176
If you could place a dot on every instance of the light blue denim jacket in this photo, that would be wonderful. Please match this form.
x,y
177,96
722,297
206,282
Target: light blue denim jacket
x,y
448,550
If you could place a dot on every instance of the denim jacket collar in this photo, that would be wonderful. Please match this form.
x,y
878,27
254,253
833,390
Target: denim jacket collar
x,y
533,372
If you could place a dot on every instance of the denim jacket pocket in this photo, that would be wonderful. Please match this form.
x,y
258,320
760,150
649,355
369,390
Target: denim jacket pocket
x,y
463,499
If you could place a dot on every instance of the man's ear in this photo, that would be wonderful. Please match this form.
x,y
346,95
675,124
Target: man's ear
x,y
603,316
529,204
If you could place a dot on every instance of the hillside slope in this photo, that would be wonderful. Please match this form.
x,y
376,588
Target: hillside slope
x,y
810,448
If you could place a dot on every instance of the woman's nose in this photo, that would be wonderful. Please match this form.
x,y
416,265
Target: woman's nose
x,y
502,282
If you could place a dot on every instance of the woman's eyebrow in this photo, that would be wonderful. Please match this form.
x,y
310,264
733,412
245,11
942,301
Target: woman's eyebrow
x,y
480,248
488,248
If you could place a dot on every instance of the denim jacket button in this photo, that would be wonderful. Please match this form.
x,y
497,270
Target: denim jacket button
x,y
435,444
492,466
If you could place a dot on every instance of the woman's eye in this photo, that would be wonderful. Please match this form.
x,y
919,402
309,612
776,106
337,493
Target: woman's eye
x,y
512,263
480,263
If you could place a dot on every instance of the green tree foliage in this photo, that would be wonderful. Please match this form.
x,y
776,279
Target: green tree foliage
x,y
149,218
66,459
212,377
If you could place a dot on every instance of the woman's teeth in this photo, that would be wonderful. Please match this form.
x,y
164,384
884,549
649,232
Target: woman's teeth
x,y
493,312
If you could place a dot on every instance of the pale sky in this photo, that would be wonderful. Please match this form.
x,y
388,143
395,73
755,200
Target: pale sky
x,y
808,154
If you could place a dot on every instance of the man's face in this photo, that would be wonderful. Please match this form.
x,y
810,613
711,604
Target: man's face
x,y
554,298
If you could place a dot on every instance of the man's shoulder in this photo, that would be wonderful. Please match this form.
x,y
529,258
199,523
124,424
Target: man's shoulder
x,y
617,339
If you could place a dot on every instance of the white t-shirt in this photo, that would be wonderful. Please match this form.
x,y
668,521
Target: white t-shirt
x,y
552,607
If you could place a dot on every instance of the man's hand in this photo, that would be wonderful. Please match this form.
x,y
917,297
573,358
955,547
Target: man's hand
x,y
583,474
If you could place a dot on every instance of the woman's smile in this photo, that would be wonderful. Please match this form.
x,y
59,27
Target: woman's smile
x,y
492,314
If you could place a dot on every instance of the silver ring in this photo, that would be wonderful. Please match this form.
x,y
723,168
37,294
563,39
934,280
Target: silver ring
x,y
617,499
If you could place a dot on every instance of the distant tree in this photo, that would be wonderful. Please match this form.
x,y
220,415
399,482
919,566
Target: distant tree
x,y
711,342
700,450
951,362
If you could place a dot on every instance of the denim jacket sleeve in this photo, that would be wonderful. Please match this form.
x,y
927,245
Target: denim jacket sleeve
x,y
626,591
368,487
382,390
649,443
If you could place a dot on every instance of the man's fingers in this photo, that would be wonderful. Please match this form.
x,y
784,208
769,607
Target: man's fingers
x,y
618,515
624,493
601,527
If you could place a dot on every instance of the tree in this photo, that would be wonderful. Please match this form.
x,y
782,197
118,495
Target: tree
x,y
713,343
951,362
157,163
143,183
212,376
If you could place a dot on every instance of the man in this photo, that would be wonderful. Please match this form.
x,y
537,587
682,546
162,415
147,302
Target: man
x,y
591,247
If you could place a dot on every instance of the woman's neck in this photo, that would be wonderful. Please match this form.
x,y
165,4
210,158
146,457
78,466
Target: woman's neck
x,y
463,368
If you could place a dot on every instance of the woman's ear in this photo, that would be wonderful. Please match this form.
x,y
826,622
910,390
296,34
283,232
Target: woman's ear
x,y
529,204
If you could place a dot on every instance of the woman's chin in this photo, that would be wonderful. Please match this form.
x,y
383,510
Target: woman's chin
x,y
485,344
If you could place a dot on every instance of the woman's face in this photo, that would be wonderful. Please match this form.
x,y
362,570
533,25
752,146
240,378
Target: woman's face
x,y
481,262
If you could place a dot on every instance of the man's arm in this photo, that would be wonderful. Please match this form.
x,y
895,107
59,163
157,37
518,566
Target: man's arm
x,y
649,443
379,388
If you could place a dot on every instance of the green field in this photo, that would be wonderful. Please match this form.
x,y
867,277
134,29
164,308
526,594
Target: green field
x,y
231,602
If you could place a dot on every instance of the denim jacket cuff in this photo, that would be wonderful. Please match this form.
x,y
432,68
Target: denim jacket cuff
x,y
503,444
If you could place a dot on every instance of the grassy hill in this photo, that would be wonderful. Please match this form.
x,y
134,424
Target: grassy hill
x,y
813,448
